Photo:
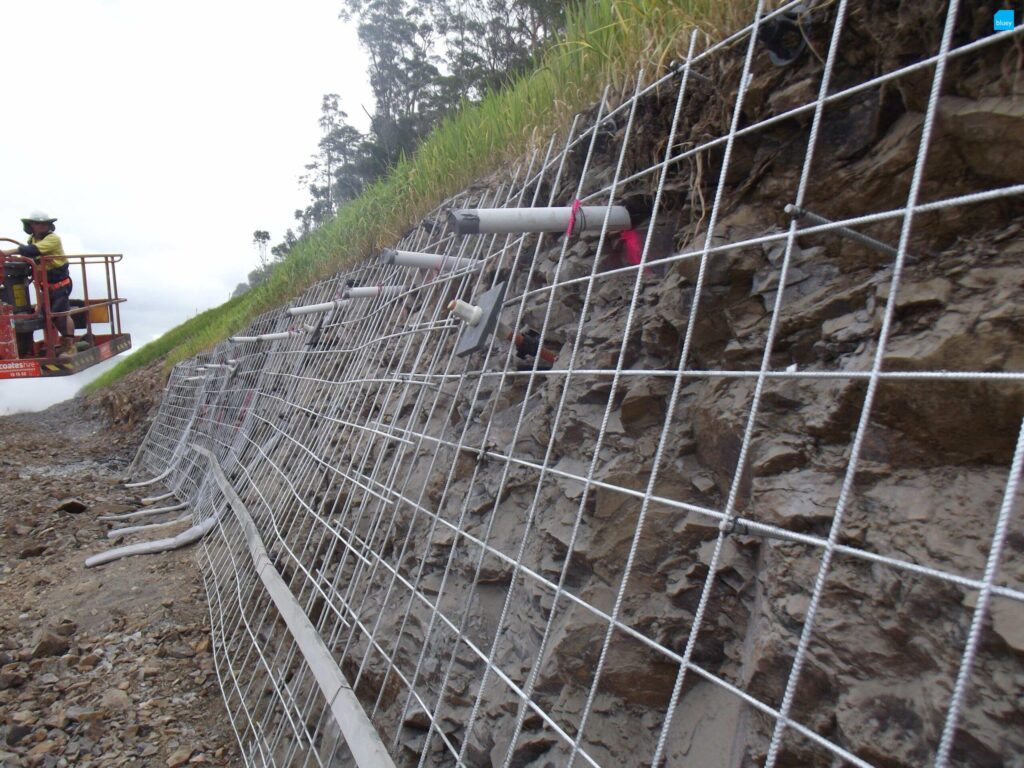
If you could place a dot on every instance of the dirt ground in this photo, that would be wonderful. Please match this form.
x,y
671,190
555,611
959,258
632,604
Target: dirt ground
x,y
104,666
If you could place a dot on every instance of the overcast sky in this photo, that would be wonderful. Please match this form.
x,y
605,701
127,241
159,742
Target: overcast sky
x,y
168,132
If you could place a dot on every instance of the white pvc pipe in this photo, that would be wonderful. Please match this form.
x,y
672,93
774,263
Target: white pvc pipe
x,y
373,291
113,533
154,499
144,513
418,260
151,480
589,218
194,533
272,336
468,312
194,378
312,309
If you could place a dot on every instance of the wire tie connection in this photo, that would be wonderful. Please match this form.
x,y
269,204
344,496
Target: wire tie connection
x,y
576,205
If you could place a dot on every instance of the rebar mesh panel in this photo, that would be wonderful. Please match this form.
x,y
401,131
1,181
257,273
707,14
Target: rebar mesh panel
x,y
736,487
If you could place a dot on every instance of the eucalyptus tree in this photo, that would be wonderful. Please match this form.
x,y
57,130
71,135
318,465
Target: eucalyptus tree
x,y
425,59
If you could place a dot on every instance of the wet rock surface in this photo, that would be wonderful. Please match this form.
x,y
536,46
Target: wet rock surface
x,y
933,465
87,672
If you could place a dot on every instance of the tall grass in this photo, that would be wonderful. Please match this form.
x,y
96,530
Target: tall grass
x,y
605,43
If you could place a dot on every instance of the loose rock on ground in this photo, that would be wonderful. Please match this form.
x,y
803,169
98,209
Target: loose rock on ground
x,y
100,667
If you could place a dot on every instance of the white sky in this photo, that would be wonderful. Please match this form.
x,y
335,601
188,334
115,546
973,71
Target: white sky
x,y
167,132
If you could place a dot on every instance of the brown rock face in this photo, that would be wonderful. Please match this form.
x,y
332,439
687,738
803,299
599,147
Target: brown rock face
x,y
989,134
694,493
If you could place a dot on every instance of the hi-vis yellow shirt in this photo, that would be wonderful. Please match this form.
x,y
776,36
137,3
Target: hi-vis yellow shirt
x,y
49,245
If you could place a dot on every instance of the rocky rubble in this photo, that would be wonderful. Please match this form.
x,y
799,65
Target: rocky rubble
x,y
103,667
127,405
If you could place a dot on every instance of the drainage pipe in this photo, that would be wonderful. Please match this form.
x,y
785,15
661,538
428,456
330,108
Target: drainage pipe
x,y
373,291
115,532
144,512
154,499
588,218
195,533
151,480
270,336
434,261
312,309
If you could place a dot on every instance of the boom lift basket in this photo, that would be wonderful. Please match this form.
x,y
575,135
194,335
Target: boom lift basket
x,y
29,341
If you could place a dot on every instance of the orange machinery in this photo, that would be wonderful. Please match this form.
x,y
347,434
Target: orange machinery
x,y
29,341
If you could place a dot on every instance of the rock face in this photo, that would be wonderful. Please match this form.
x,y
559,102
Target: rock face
x,y
127,405
988,133
480,535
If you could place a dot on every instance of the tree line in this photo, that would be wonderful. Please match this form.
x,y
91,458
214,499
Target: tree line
x,y
426,59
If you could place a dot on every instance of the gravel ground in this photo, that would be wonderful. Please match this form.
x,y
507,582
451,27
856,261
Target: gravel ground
x,y
107,666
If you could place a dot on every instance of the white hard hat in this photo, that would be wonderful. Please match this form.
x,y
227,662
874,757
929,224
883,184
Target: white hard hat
x,y
36,217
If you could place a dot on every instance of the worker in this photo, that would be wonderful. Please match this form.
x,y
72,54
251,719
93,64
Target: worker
x,y
43,241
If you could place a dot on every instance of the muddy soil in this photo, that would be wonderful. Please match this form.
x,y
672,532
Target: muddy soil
x,y
104,666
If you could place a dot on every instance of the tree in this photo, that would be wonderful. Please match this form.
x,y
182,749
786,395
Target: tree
x,y
335,173
426,57
256,277
489,42
261,239
282,249
400,41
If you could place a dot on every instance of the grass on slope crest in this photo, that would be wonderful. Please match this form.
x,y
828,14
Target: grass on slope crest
x,y
606,43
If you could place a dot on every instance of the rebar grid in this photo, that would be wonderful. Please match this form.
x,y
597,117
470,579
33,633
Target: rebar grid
x,y
517,564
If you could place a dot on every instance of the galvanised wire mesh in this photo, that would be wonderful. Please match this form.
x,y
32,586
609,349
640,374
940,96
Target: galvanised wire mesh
x,y
741,495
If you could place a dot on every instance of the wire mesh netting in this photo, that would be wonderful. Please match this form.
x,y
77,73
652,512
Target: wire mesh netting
x,y
733,485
